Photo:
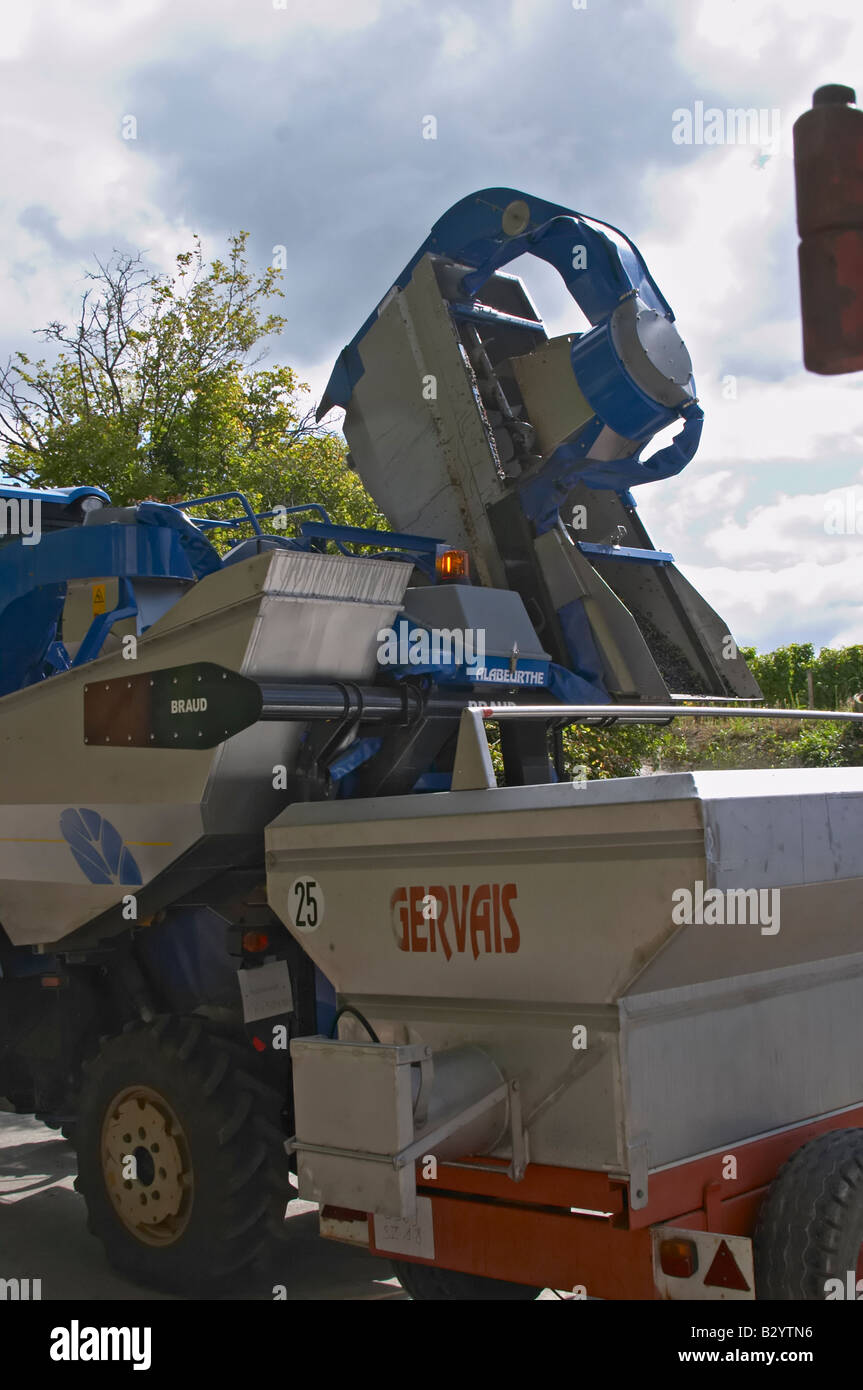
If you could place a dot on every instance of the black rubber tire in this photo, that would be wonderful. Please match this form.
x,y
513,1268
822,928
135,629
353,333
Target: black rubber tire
x,y
230,1124
810,1227
426,1282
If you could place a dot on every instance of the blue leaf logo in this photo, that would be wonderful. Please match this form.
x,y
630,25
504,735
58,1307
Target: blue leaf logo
x,y
98,848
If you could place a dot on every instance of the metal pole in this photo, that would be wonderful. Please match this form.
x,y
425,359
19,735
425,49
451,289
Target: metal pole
x,y
647,713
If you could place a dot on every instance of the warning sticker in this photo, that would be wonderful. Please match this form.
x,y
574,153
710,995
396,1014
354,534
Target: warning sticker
x,y
99,601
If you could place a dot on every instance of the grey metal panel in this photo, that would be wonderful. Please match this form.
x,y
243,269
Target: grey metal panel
x,y
783,826
363,1110
499,614
570,1101
612,791
712,1064
279,614
628,668
319,616
816,921
415,400
576,873
555,406
713,634
42,889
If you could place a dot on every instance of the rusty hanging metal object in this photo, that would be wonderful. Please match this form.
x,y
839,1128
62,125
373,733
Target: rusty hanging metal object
x,y
828,167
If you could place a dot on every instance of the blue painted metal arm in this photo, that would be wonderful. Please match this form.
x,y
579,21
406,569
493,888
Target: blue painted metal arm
x,y
471,233
596,269
200,554
665,463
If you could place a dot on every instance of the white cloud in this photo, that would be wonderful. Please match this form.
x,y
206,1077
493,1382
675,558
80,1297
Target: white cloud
x,y
805,601
827,527
73,185
461,36
735,43
15,32
61,125
802,417
847,637
785,571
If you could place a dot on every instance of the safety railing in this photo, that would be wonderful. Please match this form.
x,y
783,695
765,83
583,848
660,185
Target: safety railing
x,y
473,769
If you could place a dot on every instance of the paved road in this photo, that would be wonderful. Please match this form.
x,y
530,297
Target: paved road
x,y
43,1235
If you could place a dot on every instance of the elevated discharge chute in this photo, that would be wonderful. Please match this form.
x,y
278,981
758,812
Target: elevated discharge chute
x,y
465,420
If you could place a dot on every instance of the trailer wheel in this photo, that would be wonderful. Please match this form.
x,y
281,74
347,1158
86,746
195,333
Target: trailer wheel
x,y
427,1282
177,1148
810,1228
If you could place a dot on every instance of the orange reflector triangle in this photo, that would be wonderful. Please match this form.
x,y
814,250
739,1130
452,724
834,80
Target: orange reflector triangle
x,y
725,1273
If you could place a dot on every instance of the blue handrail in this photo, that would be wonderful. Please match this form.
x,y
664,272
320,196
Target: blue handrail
x,y
251,517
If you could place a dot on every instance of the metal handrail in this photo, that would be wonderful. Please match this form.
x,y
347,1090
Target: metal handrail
x,y
640,714
473,770
250,517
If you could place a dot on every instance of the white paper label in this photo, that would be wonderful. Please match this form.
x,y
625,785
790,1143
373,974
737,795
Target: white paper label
x,y
401,1237
266,991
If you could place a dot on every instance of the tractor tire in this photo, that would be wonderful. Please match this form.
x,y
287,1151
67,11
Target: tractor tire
x,y
810,1227
427,1282
180,1156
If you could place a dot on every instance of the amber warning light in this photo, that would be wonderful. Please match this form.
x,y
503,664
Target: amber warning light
x,y
452,565
678,1258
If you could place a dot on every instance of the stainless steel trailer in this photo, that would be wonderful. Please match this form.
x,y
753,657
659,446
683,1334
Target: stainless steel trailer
x,y
662,977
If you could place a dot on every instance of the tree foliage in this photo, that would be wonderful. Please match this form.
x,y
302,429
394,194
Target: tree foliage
x,y
837,674
157,391
747,743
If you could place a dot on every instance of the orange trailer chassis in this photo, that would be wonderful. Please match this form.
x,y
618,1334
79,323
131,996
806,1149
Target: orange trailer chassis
x,y
573,1229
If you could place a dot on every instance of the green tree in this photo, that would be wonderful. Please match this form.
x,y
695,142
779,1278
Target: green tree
x,y
781,674
837,675
745,743
157,392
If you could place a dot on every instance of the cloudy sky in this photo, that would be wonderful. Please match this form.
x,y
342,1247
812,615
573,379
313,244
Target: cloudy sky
x,y
302,122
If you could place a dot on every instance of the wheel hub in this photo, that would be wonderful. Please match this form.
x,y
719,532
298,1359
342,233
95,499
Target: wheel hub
x,y
147,1166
